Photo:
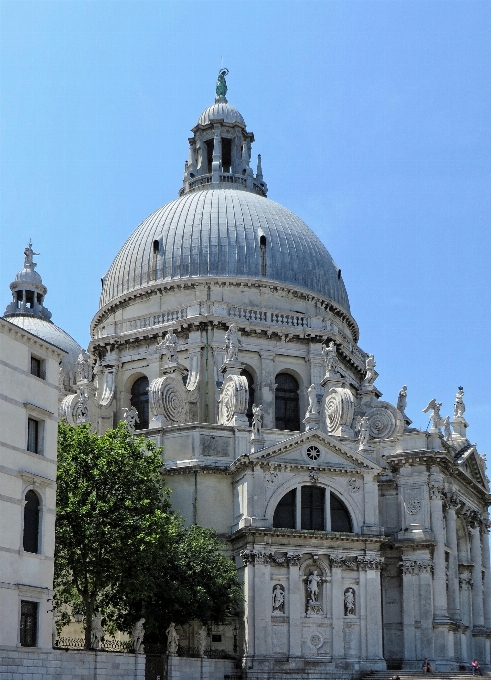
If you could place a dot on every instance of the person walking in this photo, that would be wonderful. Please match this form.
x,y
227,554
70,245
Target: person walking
x,y
476,668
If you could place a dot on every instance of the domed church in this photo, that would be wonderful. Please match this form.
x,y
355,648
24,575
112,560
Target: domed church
x,y
224,334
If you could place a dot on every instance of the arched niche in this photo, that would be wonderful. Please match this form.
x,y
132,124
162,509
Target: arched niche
x,y
138,390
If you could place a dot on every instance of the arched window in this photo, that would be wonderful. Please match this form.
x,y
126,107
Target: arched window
x,y
286,511
31,522
340,517
250,403
139,399
287,407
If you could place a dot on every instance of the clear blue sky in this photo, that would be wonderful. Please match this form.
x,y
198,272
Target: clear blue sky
x,y
373,121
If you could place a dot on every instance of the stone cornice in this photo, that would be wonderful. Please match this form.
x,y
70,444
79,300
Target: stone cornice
x,y
32,340
265,534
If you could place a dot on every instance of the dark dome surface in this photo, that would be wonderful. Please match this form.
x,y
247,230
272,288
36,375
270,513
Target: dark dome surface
x,y
217,232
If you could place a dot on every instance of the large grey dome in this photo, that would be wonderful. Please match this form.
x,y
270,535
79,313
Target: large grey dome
x,y
46,330
217,232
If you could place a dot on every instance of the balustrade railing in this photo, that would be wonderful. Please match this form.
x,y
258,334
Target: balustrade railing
x,y
107,645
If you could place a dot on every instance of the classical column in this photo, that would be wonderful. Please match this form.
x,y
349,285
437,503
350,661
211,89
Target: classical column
x,y
487,576
267,388
249,613
453,558
439,575
216,164
477,591
337,607
295,604
373,600
408,618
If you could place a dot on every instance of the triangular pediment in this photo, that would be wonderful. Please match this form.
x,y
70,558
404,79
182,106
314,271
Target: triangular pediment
x,y
333,453
469,460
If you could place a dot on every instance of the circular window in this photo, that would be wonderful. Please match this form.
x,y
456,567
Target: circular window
x,y
313,453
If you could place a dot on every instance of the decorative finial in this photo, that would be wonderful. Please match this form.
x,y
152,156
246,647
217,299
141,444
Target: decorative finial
x,y
221,88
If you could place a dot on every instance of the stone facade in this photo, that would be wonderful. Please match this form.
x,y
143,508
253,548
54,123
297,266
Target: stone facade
x,y
360,540
29,369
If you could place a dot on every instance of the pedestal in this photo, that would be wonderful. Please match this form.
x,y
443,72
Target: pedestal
x,y
172,667
311,421
258,442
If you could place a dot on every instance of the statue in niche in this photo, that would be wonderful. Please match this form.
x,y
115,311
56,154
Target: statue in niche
x,y
232,344
83,366
130,417
459,406
402,399
330,357
201,640
278,599
168,346
96,632
28,256
172,639
137,636
349,602
364,433
312,395
371,373
257,420
313,581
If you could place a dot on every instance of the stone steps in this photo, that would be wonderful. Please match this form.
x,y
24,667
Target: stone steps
x,y
419,675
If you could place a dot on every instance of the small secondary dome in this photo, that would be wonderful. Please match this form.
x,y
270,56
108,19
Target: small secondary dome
x,y
27,311
221,110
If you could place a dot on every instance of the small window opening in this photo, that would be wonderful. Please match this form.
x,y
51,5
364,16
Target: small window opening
x,y
30,299
30,539
226,154
339,274
287,408
102,284
32,435
39,298
209,153
156,246
28,623
313,513
262,244
286,511
36,367
250,403
340,517
18,297
216,638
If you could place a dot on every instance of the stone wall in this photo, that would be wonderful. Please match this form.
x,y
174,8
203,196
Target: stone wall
x,y
35,664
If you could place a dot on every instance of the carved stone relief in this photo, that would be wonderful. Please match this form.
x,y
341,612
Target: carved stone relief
x,y
339,410
233,400
168,399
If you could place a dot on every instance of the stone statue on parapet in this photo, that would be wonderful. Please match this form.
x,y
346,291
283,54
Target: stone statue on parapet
x,y
435,417
371,374
137,636
172,640
459,406
402,399
168,346
221,88
364,436
331,357
201,640
447,432
130,417
312,395
257,420
232,344
83,366
28,256
96,631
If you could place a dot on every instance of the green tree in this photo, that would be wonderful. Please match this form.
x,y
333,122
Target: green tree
x,y
119,547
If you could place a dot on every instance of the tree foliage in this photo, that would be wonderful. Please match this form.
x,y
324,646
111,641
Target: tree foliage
x,y
119,547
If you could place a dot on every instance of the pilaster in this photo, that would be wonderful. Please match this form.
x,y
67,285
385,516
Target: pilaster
x,y
295,605
453,558
268,388
337,606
